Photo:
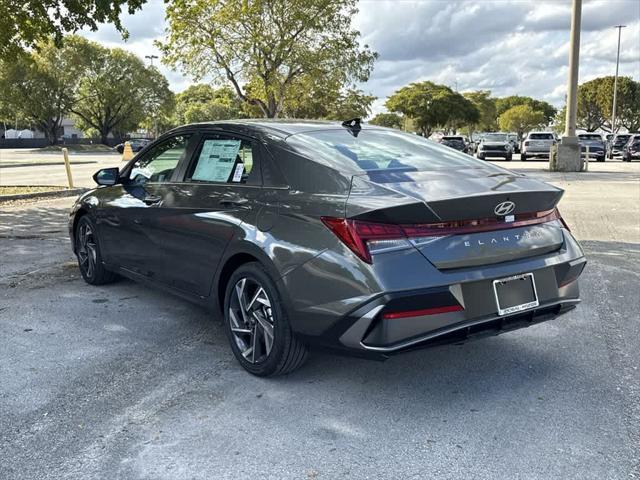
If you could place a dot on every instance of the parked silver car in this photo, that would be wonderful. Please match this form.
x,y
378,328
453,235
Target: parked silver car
x,y
537,144
495,145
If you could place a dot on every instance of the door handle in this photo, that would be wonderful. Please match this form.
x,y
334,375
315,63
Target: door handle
x,y
152,199
235,203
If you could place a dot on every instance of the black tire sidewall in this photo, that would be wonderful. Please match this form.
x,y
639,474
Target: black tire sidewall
x,y
281,329
87,220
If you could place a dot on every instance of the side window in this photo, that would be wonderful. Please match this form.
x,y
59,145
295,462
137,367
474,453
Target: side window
x,y
222,159
158,164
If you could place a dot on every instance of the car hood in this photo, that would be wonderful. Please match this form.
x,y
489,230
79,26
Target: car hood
x,y
494,144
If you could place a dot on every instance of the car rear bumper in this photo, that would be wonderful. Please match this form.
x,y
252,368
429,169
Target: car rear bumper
x,y
494,153
366,331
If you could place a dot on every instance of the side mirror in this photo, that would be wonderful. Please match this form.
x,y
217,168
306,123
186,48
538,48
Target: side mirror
x,y
107,176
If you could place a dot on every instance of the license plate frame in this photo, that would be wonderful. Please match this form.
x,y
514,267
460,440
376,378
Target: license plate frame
x,y
521,307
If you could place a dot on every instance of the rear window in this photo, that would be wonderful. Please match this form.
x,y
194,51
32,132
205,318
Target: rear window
x,y
541,136
622,138
378,150
590,137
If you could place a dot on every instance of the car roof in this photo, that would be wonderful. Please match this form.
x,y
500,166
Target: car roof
x,y
278,127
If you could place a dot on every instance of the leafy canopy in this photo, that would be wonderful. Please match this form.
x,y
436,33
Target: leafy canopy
x,y
39,87
430,105
264,47
505,103
202,103
486,106
595,104
26,23
117,91
521,119
389,120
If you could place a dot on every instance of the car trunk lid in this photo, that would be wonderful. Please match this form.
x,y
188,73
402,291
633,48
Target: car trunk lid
x,y
470,229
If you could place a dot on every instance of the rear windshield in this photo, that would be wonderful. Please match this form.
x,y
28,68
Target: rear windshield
x,y
541,136
622,138
590,137
495,137
378,150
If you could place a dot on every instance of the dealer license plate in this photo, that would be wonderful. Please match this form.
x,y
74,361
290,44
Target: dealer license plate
x,y
515,294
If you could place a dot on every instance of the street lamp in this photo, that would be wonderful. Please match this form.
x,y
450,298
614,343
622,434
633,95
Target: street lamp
x,y
615,82
151,58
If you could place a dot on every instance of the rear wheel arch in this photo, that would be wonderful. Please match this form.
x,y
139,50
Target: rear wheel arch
x,y
234,261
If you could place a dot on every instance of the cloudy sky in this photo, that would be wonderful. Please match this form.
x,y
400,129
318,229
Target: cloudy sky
x,y
509,47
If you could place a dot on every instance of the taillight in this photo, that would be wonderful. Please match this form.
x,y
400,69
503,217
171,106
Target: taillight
x,y
366,238
363,237
422,312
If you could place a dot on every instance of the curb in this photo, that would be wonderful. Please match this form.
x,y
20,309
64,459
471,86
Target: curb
x,y
37,195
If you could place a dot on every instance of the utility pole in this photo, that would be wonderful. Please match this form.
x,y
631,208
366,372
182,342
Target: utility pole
x,y
155,116
568,154
615,82
151,58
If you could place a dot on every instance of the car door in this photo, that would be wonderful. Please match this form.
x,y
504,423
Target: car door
x,y
130,210
203,210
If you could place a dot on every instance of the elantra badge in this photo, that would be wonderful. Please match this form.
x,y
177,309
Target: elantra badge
x,y
504,208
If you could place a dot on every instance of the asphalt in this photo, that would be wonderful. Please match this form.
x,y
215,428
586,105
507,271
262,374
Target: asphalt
x,y
122,381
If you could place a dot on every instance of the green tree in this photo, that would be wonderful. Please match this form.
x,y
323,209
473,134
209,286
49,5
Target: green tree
x,y
595,104
560,121
350,103
202,103
118,92
27,23
521,119
430,105
268,45
505,103
39,87
390,120
486,106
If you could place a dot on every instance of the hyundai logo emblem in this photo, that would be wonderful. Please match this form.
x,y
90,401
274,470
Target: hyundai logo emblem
x,y
504,208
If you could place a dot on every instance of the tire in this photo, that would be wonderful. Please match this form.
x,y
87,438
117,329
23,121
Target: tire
x,y
480,157
509,158
523,157
280,352
88,254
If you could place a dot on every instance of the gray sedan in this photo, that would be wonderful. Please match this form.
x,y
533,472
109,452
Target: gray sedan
x,y
359,239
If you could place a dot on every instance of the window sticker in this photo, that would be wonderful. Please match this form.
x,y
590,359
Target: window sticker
x,y
237,175
216,160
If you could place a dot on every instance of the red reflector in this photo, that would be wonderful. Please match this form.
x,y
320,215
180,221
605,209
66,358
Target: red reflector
x,y
425,311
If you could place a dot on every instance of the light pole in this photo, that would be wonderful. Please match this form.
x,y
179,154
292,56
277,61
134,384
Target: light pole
x,y
151,58
615,82
568,154
155,119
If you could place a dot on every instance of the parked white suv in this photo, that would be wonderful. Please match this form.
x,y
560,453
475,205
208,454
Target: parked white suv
x,y
537,144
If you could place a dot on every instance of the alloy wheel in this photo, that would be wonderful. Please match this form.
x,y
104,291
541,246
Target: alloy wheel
x,y
251,320
87,249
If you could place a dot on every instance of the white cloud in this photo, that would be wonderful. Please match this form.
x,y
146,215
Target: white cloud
x,y
507,46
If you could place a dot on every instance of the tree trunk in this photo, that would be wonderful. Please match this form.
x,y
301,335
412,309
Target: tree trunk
x,y
104,136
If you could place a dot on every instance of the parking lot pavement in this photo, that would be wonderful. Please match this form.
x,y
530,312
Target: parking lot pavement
x,y
122,381
31,167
